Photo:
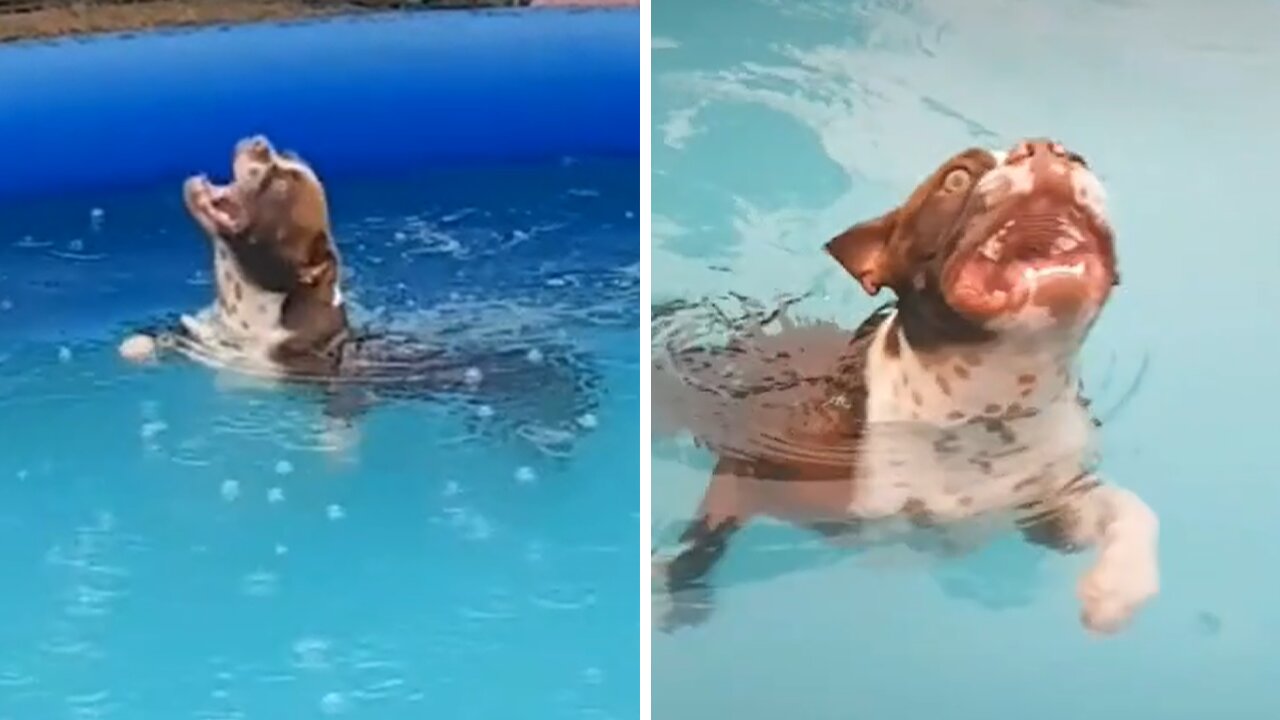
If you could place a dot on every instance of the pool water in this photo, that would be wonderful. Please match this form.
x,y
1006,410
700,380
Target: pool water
x,y
178,545
778,124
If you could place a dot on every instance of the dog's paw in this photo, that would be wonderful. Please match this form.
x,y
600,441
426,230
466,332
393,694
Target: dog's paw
x,y
1116,587
677,609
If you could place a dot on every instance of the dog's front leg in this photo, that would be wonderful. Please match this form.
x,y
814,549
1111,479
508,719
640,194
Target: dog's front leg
x,y
1124,530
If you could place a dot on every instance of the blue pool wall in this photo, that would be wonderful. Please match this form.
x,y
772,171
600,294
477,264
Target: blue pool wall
x,y
360,95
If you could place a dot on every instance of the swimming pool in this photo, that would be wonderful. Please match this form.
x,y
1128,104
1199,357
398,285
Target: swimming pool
x,y
177,544
776,125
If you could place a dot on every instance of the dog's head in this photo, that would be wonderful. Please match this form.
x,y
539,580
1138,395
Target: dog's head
x,y
274,209
991,244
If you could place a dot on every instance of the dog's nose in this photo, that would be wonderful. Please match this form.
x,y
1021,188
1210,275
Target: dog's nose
x,y
1044,157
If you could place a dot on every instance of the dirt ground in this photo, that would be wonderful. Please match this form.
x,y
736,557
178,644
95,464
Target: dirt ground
x,y
27,19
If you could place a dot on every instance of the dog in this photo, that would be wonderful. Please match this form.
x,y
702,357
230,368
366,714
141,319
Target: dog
x,y
280,313
957,402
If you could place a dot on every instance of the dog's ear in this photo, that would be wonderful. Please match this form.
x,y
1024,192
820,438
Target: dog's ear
x,y
863,251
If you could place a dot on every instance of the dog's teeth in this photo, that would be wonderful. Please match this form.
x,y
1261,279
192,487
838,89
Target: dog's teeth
x,y
991,249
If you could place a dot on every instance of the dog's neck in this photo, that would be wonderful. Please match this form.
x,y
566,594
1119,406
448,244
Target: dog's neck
x,y
959,382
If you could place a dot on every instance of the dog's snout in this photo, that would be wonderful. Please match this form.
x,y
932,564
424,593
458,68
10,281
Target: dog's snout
x,y
256,147
1048,163
1039,153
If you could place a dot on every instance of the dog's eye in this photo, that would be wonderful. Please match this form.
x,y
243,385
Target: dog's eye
x,y
957,180
1077,159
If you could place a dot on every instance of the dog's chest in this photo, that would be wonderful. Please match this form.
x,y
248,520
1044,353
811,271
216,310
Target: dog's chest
x,y
960,439
244,311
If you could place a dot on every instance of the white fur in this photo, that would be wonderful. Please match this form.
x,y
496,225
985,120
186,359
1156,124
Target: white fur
x,y
899,462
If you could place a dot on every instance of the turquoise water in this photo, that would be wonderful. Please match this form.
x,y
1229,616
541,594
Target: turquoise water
x,y
777,124
176,545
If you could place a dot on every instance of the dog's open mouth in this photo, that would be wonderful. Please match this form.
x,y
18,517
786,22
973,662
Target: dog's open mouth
x,y
220,204
1052,258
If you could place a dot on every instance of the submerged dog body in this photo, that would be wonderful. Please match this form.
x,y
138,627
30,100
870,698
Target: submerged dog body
x,y
280,313
957,403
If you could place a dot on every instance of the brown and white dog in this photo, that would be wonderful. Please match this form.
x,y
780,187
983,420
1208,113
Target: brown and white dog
x,y
275,265
280,313
959,402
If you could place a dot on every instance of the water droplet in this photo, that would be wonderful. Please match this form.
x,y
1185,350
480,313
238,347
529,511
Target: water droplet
x,y
64,354
284,467
275,495
473,376
588,421
333,704
153,428
534,356
479,528
230,490
311,653
260,584
335,512
525,475
484,411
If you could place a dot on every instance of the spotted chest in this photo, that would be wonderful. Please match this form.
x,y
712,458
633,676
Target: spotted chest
x,y
244,312
954,438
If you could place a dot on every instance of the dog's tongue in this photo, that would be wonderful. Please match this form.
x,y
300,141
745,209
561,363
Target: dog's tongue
x,y
980,289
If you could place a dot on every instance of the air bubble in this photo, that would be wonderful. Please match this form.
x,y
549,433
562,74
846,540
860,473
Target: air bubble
x,y
275,495
64,354
534,356
588,421
473,376
76,245
526,476
230,490
452,488
335,512
484,411
6,304
284,467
